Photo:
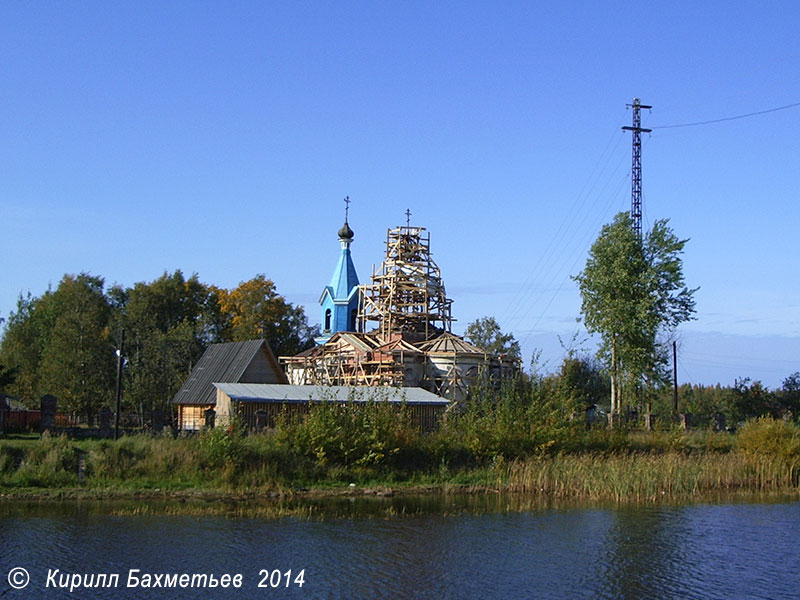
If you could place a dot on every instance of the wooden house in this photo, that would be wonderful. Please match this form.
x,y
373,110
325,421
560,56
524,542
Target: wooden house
x,y
245,401
235,362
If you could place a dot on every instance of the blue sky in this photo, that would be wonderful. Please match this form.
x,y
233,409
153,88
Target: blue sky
x,y
220,138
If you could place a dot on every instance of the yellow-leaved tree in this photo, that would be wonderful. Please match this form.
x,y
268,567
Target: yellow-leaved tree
x,y
254,310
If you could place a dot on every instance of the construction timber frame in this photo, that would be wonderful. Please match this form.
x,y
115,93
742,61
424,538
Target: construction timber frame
x,y
404,337
407,293
350,359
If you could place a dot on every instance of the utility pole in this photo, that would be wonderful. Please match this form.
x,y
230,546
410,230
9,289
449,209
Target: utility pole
x,y
636,169
674,376
120,363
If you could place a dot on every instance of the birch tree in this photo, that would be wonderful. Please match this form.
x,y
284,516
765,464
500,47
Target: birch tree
x,y
633,293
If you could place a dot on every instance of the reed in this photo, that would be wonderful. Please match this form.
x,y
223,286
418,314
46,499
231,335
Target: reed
x,y
558,461
647,476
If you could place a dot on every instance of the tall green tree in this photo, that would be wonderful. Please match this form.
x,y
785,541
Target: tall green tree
x,y
58,343
25,335
487,335
632,292
168,324
255,310
77,359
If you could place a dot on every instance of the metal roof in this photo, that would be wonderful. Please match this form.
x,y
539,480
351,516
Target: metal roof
x,y
449,343
266,392
221,362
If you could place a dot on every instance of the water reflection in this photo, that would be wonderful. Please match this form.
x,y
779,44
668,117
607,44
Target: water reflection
x,y
445,547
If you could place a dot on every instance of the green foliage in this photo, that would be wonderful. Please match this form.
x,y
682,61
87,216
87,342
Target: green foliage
x,y
788,397
168,323
581,382
77,364
356,433
486,334
59,344
633,290
222,447
517,440
63,342
7,377
523,418
768,436
750,400
702,401
51,462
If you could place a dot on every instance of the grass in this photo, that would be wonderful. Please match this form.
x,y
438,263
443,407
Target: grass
x,y
562,463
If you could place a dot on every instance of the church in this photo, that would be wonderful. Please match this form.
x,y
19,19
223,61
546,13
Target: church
x,y
389,338
396,330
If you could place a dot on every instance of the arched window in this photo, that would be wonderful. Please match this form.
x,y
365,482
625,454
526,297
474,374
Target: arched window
x,y
328,320
353,315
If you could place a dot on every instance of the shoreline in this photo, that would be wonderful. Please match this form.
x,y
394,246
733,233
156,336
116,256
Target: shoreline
x,y
48,495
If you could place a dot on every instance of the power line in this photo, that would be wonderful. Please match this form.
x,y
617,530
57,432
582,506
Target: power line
x,y
752,114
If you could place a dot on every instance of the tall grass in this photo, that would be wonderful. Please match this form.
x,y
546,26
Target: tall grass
x,y
521,447
646,477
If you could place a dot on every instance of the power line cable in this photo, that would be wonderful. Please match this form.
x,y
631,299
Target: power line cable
x,y
565,229
585,248
752,114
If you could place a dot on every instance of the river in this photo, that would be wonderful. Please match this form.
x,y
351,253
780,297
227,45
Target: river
x,y
406,548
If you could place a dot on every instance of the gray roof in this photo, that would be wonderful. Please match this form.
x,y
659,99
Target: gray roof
x,y
219,363
267,392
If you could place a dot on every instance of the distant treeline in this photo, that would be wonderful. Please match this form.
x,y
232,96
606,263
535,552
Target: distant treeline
x,y
64,342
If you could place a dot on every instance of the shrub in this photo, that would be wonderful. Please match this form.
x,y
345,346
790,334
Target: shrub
x,y
367,433
767,436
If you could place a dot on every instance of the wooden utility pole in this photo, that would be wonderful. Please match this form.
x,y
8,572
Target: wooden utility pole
x,y
120,361
674,376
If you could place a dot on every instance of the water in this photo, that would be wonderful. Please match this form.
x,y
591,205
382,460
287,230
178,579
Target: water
x,y
454,548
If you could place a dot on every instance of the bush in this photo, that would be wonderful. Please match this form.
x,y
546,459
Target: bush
x,y
367,434
767,436
222,447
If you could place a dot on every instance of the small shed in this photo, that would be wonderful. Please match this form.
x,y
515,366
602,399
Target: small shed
x,y
245,400
235,362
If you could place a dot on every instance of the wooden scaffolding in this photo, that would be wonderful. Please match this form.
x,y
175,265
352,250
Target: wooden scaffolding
x,y
404,332
407,292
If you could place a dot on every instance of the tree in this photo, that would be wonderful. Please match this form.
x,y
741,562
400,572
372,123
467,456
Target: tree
x,y
23,339
632,291
487,335
77,360
168,324
581,381
254,310
750,399
789,396
7,377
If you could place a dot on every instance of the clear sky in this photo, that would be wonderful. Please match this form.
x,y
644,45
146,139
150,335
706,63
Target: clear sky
x,y
220,138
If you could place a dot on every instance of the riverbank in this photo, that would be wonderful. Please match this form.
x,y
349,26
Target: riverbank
x,y
618,466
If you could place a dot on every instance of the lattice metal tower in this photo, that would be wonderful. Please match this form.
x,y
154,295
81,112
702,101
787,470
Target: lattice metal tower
x,y
636,169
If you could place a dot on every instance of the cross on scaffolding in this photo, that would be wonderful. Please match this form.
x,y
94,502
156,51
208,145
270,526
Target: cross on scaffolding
x,y
408,217
346,207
